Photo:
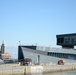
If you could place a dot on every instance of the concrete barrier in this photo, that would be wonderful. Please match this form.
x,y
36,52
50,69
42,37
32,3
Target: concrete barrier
x,y
51,68
11,72
10,65
11,69
23,70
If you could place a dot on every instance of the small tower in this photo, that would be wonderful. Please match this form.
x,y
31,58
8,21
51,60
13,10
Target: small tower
x,y
3,47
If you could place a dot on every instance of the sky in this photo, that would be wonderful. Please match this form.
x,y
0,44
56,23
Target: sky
x,y
36,21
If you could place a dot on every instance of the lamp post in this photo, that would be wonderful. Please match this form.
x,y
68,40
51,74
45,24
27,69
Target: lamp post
x,y
38,59
19,42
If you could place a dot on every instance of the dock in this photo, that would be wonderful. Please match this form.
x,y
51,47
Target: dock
x,y
16,69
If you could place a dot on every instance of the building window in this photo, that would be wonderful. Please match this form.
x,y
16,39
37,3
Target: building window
x,y
58,40
62,40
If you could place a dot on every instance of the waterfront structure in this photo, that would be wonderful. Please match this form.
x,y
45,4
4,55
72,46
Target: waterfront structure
x,y
41,54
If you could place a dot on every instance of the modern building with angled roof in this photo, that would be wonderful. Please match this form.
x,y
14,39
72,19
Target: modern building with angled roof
x,y
41,54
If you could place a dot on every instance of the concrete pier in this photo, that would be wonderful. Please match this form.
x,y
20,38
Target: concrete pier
x,y
15,69
11,69
49,68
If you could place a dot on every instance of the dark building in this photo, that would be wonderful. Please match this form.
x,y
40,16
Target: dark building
x,y
20,52
66,40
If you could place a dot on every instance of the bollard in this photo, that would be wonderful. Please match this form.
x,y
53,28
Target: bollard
x,y
50,63
19,63
24,70
72,66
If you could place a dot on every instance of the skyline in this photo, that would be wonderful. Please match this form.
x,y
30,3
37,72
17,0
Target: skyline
x,y
36,21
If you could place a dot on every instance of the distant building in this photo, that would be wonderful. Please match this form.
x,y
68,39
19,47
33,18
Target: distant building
x,y
3,47
3,54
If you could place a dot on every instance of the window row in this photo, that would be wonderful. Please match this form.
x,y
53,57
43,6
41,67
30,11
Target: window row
x,y
61,55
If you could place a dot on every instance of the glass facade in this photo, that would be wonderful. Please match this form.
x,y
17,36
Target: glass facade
x,y
62,55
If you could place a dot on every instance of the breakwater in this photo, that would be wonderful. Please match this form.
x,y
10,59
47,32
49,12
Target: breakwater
x,y
49,68
15,69
11,69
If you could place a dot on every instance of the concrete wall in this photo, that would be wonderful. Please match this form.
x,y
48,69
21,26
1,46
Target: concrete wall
x,y
11,69
34,69
50,68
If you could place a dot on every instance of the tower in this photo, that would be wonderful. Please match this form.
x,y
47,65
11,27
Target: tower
x,y
3,47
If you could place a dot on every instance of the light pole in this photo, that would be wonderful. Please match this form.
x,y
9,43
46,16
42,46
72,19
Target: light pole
x,y
19,42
